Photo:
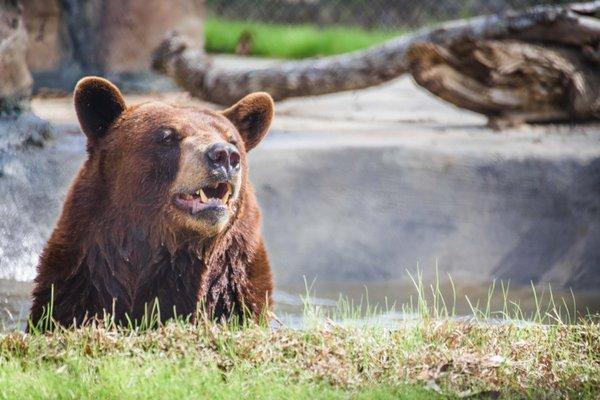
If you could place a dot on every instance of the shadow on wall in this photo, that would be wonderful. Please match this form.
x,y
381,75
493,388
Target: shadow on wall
x,y
567,238
367,214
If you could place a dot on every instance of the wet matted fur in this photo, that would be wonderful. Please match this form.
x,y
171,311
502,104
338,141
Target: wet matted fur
x,y
120,243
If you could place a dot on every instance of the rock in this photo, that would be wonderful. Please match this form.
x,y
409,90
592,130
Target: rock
x,y
18,125
24,130
113,38
15,79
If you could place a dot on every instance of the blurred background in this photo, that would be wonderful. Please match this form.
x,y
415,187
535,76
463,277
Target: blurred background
x,y
366,186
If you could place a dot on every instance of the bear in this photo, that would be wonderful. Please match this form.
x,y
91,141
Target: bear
x,y
161,214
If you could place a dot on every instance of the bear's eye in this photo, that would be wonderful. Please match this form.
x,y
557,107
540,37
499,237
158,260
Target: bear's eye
x,y
167,136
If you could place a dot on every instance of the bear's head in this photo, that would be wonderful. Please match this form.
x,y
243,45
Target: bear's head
x,y
184,168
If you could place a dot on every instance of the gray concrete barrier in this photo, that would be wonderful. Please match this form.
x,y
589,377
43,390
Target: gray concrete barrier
x,y
363,210
364,207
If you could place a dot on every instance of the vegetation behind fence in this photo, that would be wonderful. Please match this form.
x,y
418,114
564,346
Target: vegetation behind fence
x,y
373,14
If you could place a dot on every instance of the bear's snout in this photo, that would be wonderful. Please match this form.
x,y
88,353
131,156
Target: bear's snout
x,y
223,156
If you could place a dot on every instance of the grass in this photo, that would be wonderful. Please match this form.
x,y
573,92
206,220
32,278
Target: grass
x,y
425,360
432,354
121,377
285,41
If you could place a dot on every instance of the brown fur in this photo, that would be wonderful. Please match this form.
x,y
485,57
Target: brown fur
x,y
119,243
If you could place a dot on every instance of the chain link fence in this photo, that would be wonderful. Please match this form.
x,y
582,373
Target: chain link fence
x,y
369,14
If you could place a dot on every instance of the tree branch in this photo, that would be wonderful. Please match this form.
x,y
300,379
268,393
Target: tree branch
x,y
574,26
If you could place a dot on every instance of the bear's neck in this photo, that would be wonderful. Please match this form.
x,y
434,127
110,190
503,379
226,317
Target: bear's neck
x,y
138,267
124,255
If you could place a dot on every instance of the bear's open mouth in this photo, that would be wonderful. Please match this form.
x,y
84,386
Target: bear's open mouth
x,y
217,195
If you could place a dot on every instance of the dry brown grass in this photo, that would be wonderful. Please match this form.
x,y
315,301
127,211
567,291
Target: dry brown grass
x,y
452,358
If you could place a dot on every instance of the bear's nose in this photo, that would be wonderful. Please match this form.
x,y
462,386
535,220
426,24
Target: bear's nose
x,y
223,155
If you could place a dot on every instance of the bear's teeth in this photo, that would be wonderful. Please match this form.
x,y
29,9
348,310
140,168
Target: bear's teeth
x,y
225,198
203,197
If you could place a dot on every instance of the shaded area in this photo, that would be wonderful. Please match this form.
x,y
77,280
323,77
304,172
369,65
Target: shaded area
x,y
365,214
568,238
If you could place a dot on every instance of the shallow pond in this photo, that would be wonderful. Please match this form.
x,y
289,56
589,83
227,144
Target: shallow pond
x,y
379,303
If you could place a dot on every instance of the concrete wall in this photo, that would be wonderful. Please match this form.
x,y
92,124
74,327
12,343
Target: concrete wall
x,y
363,208
348,211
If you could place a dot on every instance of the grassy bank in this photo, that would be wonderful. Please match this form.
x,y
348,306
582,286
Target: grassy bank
x,y
285,41
428,359
426,353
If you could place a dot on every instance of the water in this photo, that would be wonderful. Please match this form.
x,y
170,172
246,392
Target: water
x,y
380,303
15,300
401,296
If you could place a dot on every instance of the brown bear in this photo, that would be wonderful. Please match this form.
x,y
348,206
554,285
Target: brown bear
x,y
161,210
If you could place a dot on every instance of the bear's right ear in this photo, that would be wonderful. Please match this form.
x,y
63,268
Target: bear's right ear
x,y
98,104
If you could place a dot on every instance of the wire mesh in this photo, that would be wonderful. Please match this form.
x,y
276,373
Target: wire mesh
x,y
369,14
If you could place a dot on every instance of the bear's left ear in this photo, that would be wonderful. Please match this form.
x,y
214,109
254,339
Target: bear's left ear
x,y
252,117
98,104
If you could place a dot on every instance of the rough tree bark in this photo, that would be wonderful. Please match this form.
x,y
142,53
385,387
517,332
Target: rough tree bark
x,y
554,47
510,82
549,72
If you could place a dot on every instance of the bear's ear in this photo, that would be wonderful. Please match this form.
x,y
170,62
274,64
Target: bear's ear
x,y
98,104
252,117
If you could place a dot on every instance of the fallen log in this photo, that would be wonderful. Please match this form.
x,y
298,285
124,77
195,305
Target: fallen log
x,y
510,82
548,72
565,38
